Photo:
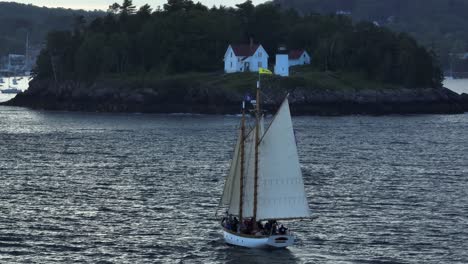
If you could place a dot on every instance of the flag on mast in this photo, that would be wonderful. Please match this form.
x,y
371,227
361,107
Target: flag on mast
x,y
264,71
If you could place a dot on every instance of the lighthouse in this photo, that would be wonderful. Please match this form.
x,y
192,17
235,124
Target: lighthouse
x,y
282,62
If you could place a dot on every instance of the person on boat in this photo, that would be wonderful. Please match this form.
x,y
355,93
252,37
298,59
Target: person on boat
x,y
235,224
225,219
248,226
259,225
242,227
282,230
274,228
267,227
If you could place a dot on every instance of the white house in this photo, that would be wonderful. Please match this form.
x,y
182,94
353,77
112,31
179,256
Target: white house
x,y
298,57
243,58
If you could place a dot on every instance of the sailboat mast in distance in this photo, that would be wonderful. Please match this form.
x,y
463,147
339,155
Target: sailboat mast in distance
x,y
242,156
257,136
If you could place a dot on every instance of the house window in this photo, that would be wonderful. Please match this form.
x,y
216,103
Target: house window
x,y
231,54
260,64
259,54
231,64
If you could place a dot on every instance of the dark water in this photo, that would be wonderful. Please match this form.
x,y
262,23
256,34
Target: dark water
x,y
105,188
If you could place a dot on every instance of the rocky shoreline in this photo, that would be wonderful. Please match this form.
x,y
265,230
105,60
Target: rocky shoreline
x,y
118,97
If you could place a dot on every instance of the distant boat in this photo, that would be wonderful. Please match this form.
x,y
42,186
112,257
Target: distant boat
x,y
11,91
15,82
1,80
264,183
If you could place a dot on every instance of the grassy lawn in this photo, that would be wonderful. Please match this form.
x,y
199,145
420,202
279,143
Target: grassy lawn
x,y
305,77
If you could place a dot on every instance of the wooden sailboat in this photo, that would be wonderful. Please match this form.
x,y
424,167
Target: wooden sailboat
x,y
264,183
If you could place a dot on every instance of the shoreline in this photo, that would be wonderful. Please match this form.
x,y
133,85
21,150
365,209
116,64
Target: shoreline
x,y
117,97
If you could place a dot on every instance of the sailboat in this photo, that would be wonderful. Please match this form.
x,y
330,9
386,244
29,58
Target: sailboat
x,y
264,183
10,90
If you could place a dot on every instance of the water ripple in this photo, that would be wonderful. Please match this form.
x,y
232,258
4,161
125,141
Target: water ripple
x,y
122,188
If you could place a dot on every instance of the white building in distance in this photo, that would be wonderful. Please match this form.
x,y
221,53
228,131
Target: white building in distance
x,y
298,57
245,58
285,60
282,62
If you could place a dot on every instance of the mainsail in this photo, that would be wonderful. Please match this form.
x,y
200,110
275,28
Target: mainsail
x,y
249,174
232,185
281,193
231,194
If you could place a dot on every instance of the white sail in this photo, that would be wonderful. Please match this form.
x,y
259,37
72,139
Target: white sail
x,y
232,185
249,175
281,193
231,194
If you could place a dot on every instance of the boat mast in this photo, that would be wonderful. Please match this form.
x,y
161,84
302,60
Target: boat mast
x,y
241,199
257,136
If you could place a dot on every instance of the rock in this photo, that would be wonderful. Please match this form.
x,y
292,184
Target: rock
x,y
121,97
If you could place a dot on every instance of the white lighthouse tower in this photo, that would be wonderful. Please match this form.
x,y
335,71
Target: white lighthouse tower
x,y
282,62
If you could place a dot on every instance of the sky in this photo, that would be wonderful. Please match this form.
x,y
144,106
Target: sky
x,y
104,4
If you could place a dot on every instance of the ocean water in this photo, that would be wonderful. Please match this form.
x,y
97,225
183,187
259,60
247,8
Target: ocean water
x,y
133,188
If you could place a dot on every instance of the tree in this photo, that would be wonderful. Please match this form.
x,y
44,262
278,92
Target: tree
x,y
127,7
79,23
145,11
178,5
187,37
114,8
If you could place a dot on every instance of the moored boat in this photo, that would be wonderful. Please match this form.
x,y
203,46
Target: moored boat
x,y
11,91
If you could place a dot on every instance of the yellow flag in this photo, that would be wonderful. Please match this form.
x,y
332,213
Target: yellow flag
x,y
264,71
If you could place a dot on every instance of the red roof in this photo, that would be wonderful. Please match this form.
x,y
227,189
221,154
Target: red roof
x,y
245,50
295,54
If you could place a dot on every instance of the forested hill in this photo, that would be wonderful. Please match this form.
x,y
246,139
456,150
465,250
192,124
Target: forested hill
x,y
439,24
187,37
16,20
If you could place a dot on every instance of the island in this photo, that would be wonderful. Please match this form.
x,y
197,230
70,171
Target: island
x,y
171,61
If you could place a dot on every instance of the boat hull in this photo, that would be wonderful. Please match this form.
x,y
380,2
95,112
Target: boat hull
x,y
10,91
274,241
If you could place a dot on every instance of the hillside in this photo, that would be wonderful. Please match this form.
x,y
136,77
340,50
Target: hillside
x,y
135,59
437,24
186,37
16,20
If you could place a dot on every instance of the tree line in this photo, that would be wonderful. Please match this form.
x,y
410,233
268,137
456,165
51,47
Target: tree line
x,y
183,36
17,21
437,24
